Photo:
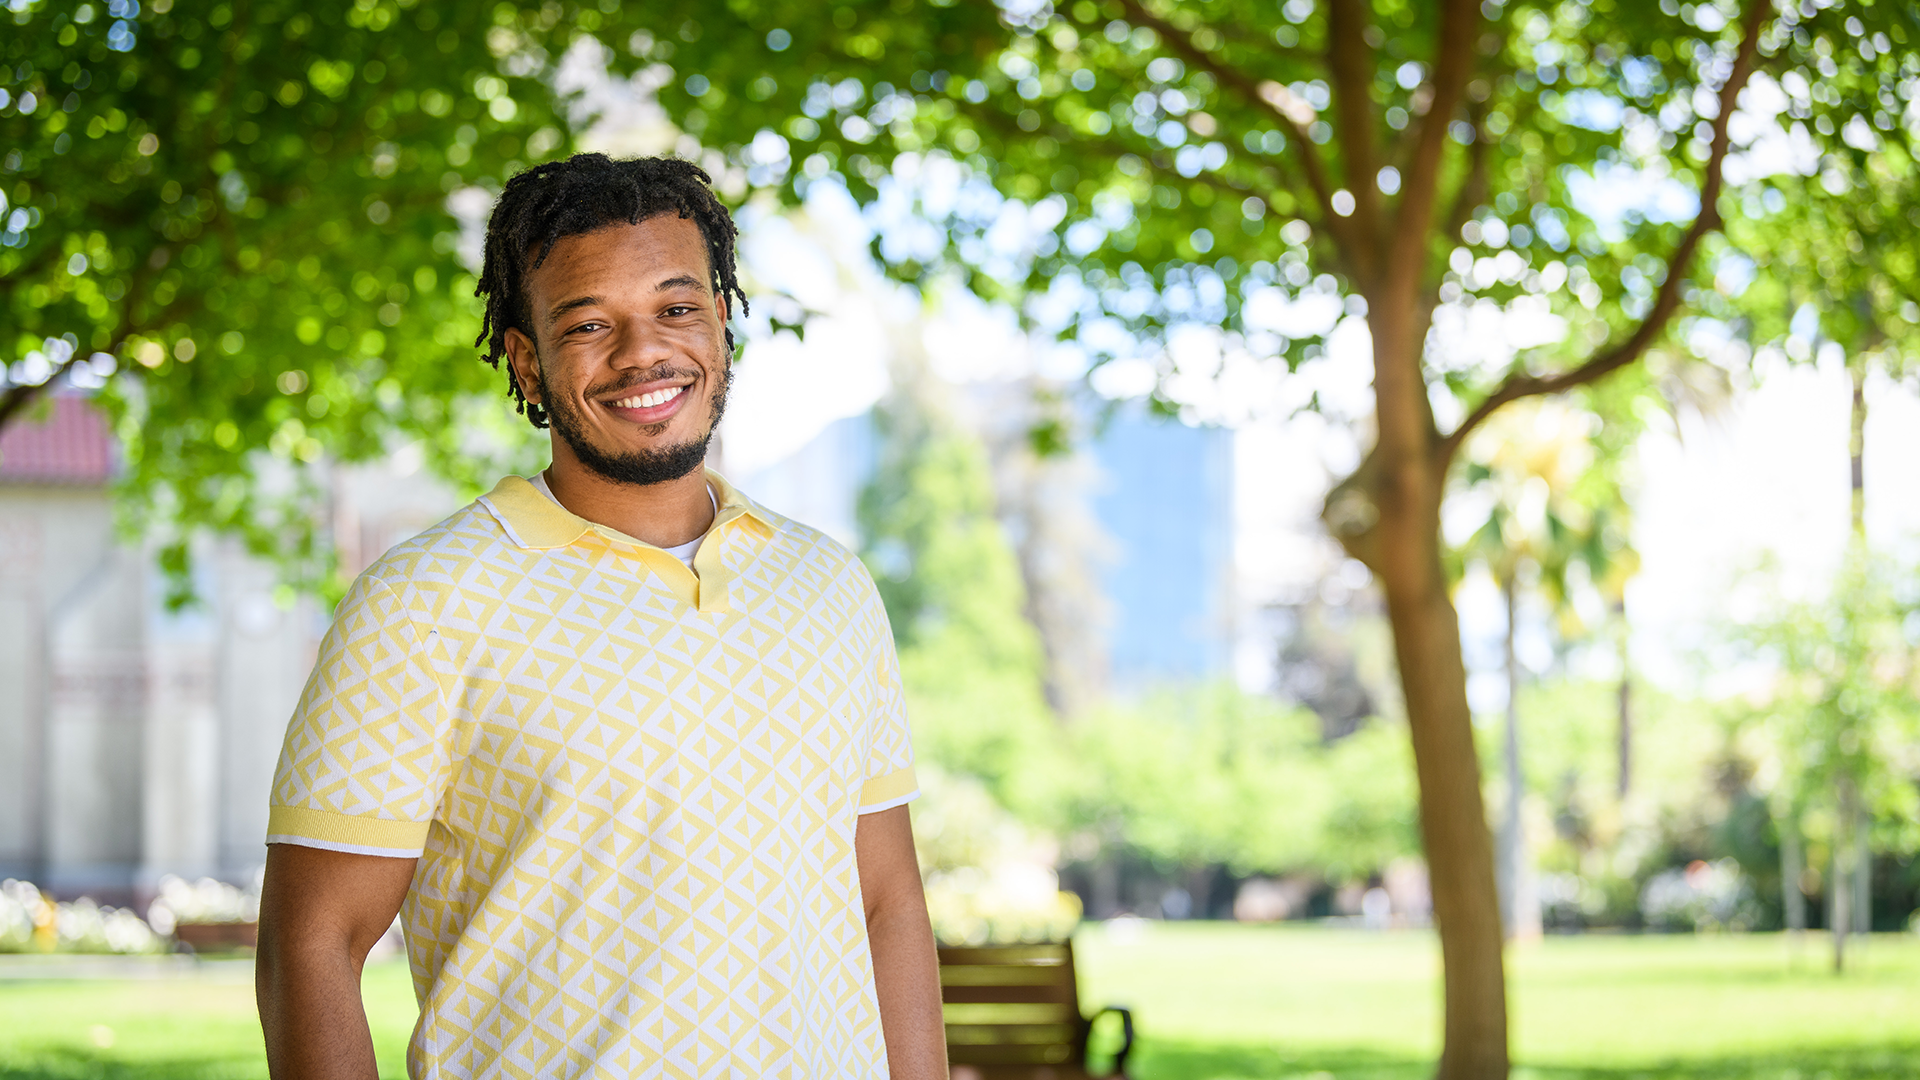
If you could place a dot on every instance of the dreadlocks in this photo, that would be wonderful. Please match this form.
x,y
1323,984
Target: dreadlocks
x,y
582,194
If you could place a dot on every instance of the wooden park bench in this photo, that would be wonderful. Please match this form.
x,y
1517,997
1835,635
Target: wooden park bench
x,y
1013,1011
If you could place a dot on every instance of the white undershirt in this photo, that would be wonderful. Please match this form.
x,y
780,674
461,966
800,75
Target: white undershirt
x,y
683,552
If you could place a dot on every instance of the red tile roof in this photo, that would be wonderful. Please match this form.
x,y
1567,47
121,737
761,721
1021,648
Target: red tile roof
x,y
70,444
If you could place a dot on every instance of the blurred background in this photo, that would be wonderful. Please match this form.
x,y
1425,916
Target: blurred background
x,y
1080,322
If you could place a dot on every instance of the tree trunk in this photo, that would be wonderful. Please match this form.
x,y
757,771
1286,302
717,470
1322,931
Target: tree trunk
x,y
1853,815
1387,515
1519,899
1793,865
1625,699
1862,922
1839,899
1453,827
1857,449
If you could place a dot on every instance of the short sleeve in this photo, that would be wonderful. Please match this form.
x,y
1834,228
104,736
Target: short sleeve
x,y
366,756
890,780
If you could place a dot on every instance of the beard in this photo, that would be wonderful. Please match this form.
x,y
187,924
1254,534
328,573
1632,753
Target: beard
x,y
639,467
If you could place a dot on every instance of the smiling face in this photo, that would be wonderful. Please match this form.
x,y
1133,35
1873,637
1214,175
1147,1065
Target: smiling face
x,y
629,352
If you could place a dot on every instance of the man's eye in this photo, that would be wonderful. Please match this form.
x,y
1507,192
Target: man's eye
x,y
586,328
679,309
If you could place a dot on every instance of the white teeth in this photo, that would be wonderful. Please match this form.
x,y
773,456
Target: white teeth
x,y
648,401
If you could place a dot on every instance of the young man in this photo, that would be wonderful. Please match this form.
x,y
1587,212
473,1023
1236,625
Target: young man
x,y
624,750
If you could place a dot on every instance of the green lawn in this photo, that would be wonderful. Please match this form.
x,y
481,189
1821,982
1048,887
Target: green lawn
x,y
1219,1001
1213,1002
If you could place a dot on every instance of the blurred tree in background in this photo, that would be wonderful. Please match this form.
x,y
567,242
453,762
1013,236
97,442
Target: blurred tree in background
x,y
1527,464
1842,722
1842,281
970,660
1190,164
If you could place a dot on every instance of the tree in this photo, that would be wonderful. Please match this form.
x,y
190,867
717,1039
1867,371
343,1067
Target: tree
x,y
971,663
1526,463
234,215
1198,163
1203,163
1842,713
1843,274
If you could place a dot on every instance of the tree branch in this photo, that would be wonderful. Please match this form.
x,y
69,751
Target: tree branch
x,y
1452,68
16,398
1621,353
1267,193
1350,60
1274,100
1473,186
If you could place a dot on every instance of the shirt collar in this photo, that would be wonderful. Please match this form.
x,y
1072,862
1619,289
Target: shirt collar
x,y
537,523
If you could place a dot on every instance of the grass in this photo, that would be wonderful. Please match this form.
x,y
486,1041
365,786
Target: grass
x,y
1213,1002
199,1028
1220,1002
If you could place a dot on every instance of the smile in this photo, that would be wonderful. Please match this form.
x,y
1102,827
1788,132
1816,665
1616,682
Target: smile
x,y
649,400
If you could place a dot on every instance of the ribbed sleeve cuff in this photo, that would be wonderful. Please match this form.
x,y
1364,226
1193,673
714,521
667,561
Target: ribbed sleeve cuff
x,y
886,792
342,832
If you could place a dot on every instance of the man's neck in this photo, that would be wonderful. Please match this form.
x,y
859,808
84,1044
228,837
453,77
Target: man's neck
x,y
665,515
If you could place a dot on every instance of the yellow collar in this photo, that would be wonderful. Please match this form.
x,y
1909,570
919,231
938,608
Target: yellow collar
x,y
537,523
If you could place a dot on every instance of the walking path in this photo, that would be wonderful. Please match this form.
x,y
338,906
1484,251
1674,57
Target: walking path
x,y
77,968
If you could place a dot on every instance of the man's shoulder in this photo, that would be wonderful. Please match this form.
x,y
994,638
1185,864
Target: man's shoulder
x,y
810,545
441,552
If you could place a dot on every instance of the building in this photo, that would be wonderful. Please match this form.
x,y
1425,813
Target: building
x,y
1165,503
137,741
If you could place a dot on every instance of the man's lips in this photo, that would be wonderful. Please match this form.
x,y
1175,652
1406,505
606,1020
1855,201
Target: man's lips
x,y
648,406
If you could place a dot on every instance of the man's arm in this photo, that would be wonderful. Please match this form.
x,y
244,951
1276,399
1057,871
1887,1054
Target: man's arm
x,y
905,972
320,912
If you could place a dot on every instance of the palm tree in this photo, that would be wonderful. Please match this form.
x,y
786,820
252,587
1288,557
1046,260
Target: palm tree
x,y
1549,504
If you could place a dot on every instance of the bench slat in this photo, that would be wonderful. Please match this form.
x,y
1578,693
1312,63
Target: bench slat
x,y
1013,1008
1005,954
1002,1012
1005,975
973,1035
1022,995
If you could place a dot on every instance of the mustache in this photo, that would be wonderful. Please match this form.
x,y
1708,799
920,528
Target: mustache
x,y
641,378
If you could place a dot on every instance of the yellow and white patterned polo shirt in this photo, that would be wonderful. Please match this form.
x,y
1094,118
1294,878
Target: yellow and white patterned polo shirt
x,y
632,789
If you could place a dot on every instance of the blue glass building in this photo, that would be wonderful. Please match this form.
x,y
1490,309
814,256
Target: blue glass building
x,y
1166,505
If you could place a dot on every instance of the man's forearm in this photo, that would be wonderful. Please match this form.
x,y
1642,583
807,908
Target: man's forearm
x,y
906,977
311,1012
320,913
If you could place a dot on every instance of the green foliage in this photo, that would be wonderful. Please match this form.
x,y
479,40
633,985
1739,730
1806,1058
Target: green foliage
x,y
243,206
969,658
1186,778
1213,776
1693,790
1837,241
242,209
1186,151
1843,702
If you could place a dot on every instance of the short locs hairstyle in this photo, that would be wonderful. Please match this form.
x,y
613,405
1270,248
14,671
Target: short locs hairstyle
x,y
582,194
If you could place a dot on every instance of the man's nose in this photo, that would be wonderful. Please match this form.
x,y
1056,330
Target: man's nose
x,y
639,344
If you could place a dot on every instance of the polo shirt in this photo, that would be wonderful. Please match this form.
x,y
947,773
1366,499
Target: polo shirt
x,y
632,788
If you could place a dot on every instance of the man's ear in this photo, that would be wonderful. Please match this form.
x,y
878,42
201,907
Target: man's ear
x,y
523,362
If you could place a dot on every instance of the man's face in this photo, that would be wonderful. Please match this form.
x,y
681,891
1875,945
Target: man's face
x,y
629,352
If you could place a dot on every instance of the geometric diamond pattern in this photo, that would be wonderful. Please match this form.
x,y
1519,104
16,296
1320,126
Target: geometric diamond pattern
x,y
632,789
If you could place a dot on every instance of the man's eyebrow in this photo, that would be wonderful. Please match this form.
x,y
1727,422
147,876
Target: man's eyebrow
x,y
554,313
684,281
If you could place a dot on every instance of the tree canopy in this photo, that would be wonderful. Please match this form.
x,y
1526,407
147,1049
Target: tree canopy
x,y
236,217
